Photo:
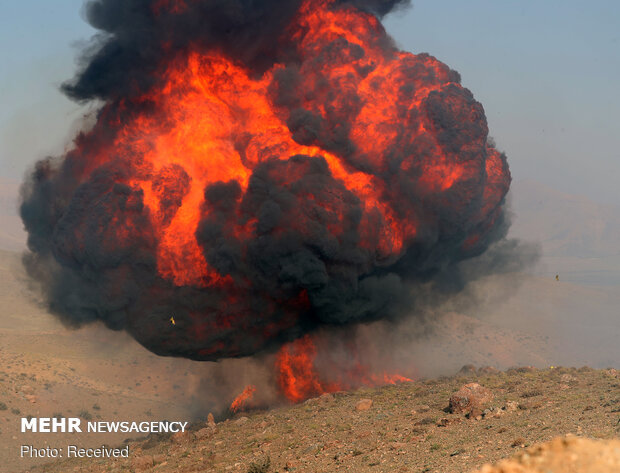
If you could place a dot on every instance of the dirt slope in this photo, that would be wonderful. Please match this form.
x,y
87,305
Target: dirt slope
x,y
405,429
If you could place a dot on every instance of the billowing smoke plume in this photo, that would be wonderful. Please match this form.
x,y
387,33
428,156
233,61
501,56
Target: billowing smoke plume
x,y
136,35
258,169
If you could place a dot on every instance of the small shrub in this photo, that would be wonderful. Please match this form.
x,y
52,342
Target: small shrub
x,y
3,406
260,466
84,414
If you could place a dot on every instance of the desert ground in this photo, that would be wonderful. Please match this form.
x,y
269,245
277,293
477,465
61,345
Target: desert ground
x,y
511,320
401,428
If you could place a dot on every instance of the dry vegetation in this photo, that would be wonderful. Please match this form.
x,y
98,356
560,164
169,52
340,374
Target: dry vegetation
x,y
406,429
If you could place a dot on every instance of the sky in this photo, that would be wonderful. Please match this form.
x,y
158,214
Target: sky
x,y
546,73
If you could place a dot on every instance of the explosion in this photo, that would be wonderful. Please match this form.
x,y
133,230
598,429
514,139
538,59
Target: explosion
x,y
299,378
258,170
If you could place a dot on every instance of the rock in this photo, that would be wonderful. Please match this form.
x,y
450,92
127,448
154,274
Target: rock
x,y
27,389
467,370
31,398
291,465
210,420
181,437
140,463
325,397
497,412
241,420
159,458
363,405
488,370
567,378
443,422
205,433
470,397
511,406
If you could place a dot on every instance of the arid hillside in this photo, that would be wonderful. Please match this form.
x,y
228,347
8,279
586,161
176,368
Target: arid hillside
x,y
412,427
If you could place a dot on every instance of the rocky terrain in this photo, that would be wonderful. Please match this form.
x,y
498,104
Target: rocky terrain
x,y
455,424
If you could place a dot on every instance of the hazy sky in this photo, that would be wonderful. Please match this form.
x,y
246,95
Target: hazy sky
x,y
546,73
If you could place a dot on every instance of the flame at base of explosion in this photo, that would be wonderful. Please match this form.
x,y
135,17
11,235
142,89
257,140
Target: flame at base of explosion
x,y
299,379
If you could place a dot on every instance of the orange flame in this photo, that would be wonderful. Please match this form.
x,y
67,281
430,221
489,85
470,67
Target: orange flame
x,y
299,379
242,400
209,101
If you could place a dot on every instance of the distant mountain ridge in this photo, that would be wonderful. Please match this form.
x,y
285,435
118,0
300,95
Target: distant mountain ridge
x,y
565,224
579,238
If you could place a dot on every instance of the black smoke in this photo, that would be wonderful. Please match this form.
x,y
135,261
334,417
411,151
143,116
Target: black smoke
x,y
136,34
91,238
